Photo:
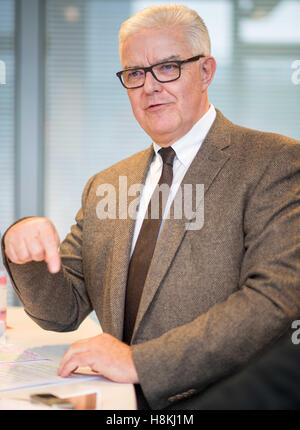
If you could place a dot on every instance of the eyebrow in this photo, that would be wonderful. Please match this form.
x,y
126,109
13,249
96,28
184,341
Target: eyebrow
x,y
163,60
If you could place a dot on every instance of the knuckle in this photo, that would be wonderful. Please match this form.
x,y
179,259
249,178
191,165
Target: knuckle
x,y
44,223
11,256
37,255
23,260
9,239
33,224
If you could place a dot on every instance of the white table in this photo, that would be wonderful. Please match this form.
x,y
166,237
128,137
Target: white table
x,y
26,333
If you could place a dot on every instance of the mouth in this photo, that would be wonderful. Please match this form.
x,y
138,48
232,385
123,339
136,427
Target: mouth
x,y
156,106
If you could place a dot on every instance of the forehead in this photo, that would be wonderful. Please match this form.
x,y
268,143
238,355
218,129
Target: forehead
x,y
150,46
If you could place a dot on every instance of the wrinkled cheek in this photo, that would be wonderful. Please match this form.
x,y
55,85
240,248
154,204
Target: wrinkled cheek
x,y
138,113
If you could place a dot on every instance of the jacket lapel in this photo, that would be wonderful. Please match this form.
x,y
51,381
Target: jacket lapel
x,y
208,162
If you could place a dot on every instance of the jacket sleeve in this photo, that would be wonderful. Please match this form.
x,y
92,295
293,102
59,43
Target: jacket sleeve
x,y
270,382
188,358
57,302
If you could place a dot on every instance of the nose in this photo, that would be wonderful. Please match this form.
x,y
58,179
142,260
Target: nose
x,y
151,84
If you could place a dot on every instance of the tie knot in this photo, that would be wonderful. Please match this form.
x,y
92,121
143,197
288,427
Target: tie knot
x,y
167,155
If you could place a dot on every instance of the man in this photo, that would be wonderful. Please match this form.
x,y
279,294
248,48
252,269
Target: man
x,y
181,304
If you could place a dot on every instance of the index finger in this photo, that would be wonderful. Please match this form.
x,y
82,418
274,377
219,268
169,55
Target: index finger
x,y
75,348
50,241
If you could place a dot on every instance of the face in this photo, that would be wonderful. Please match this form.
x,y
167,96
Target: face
x,y
166,111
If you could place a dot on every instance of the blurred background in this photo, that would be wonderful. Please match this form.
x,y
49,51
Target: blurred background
x,y
65,116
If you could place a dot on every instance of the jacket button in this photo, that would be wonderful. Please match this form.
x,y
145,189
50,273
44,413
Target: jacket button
x,y
175,398
190,393
183,395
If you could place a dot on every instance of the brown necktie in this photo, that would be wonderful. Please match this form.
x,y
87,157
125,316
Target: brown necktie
x,y
144,248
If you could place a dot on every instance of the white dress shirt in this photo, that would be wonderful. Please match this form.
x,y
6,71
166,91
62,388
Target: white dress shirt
x,y
186,149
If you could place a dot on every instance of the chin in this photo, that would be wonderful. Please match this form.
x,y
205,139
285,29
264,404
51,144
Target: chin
x,y
161,131
160,135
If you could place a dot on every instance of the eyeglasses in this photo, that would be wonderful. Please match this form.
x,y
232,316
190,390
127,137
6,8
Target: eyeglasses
x,y
167,71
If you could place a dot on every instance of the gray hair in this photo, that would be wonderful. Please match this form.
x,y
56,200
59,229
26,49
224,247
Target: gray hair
x,y
169,16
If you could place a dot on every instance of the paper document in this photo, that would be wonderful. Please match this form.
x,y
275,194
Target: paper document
x,y
23,368
10,353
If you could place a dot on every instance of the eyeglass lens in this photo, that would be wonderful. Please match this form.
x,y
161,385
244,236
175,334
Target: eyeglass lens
x,y
163,72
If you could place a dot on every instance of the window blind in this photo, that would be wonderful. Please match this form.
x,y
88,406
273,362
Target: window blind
x,y
7,114
7,121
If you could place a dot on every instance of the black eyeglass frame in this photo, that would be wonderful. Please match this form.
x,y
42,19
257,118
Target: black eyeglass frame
x,y
150,69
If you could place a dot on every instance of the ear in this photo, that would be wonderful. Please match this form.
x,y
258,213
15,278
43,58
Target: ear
x,y
208,68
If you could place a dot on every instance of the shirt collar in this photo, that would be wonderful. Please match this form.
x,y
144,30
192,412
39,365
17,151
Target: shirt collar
x,y
188,145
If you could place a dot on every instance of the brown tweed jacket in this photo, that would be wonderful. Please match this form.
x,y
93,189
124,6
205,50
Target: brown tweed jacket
x,y
213,297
